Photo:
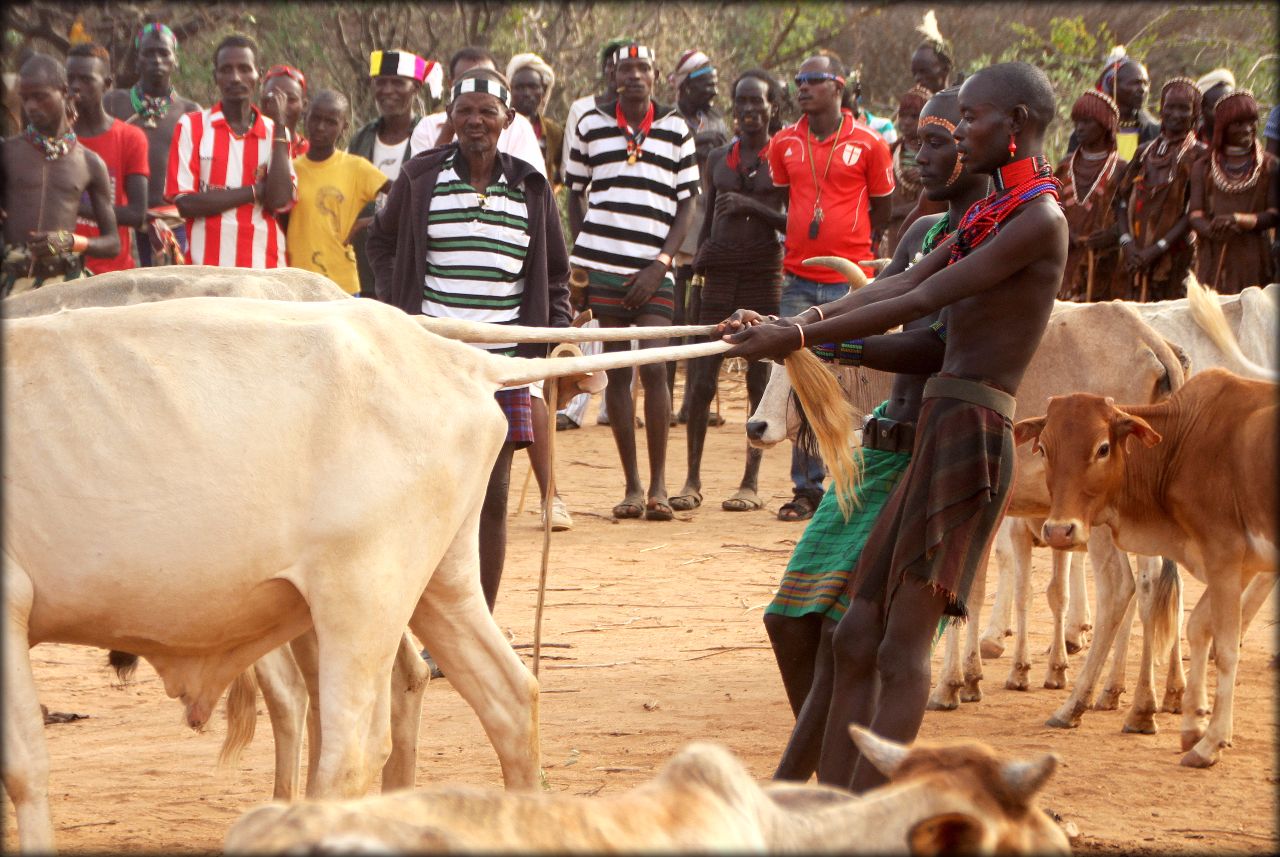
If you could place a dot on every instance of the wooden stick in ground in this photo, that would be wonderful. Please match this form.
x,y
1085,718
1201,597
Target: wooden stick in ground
x,y
1222,257
551,392
1088,287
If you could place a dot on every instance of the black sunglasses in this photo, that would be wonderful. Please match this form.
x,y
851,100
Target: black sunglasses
x,y
816,77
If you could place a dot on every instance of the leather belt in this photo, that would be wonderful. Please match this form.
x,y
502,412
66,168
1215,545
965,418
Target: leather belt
x,y
974,392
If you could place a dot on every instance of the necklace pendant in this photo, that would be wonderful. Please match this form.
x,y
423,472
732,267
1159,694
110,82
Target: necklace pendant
x,y
633,157
814,226
150,122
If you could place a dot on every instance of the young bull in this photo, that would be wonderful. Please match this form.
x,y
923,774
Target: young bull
x,y
1192,479
940,799
170,496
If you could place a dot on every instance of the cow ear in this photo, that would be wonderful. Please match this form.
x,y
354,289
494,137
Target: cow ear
x,y
1029,430
948,833
886,755
1024,779
1126,425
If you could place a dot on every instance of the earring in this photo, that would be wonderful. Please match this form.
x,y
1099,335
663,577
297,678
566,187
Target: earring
x,y
1013,147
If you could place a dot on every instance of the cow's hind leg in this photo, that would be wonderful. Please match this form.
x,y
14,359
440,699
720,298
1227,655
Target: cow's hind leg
x,y
1079,619
1115,591
1223,590
1157,602
26,758
998,625
972,690
285,693
1176,680
1020,668
946,693
1109,697
452,621
409,679
1056,677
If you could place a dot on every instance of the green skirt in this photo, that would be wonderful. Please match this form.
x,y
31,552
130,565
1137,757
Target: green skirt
x,y
815,579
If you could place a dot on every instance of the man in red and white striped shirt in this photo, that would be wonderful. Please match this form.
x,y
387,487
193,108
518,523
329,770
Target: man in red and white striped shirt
x,y
229,169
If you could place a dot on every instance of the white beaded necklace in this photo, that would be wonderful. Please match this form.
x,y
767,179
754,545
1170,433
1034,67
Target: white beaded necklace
x,y
1225,184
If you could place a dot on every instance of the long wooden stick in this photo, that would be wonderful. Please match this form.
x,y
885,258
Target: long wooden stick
x,y
1088,287
1222,257
1143,279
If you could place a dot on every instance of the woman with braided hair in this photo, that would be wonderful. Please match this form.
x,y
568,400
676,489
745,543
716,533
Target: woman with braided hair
x,y
1152,201
1233,200
1089,177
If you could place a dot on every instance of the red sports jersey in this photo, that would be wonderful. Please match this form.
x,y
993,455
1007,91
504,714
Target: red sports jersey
x,y
206,155
123,147
860,167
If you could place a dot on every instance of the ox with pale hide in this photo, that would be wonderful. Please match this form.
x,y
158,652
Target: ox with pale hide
x,y
199,481
940,799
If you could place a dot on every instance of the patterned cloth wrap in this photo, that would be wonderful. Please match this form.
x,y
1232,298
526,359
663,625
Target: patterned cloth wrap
x,y
940,522
517,406
816,577
605,292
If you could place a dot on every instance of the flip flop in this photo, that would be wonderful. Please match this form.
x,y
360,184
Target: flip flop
x,y
657,510
686,502
799,508
628,509
743,501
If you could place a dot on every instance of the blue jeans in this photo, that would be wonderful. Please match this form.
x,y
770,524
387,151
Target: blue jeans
x,y
798,294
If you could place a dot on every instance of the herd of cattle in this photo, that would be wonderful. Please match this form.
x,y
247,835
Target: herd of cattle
x,y
249,451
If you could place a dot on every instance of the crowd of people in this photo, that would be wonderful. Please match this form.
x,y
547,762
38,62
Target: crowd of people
x,y
680,213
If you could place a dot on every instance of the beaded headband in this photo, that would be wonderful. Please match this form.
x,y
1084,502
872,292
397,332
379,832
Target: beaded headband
x,y
634,51
939,121
482,85
148,29
286,71
1186,83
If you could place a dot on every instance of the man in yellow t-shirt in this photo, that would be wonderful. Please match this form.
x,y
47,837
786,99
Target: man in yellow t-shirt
x,y
333,187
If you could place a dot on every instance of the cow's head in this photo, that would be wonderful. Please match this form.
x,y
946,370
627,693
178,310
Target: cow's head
x,y
975,804
1085,441
775,418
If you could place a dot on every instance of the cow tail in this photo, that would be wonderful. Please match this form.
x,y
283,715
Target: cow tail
x,y
1166,608
242,718
831,416
124,663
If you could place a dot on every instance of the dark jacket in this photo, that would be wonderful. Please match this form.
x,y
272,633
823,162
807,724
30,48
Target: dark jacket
x,y
362,144
397,243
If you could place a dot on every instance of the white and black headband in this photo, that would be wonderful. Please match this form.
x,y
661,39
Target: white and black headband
x,y
483,85
634,51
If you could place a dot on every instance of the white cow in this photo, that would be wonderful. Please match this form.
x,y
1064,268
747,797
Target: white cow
x,y
940,799
200,480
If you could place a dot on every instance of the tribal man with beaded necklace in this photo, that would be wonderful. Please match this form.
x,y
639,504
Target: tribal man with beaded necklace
x,y
802,618
153,105
1151,202
1089,177
48,171
1233,200
994,280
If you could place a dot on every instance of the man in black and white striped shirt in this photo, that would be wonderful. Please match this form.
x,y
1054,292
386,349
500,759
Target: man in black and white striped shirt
x,y
632,176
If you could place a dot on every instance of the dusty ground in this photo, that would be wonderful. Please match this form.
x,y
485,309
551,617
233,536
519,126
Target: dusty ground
x,y
662,643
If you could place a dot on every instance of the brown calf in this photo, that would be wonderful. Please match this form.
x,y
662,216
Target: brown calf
x,y
1197,486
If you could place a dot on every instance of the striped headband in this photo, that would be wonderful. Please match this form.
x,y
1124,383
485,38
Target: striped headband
x,y
634,51
939,121
153,27
482,85
397,64
1183,83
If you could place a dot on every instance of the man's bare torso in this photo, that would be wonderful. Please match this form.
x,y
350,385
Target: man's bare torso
x,y
739,229
118,104
992,336
41,195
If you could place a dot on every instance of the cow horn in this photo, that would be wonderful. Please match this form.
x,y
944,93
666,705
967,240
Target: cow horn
x,y
886,755
850,271
1024,779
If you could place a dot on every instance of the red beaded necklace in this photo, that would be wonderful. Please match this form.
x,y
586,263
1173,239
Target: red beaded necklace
x,y
1016,184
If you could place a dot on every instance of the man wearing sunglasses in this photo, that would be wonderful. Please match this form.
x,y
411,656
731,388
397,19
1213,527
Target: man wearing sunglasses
x,y
839,177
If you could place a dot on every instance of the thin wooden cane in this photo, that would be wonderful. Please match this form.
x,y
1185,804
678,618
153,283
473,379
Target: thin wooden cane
x,y
1143,280
551,389
524,488
1222,257
1088,288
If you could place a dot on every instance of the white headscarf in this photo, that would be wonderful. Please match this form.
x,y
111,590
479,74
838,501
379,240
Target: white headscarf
x,y
1215,77
535,62
689,61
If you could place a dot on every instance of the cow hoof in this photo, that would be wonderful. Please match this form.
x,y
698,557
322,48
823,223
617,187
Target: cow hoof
x,y
1058,722
991,648
1142,724
1056,679
1172,703
942,704
1193,759
1019,677
1108,699
1190,738
971,693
